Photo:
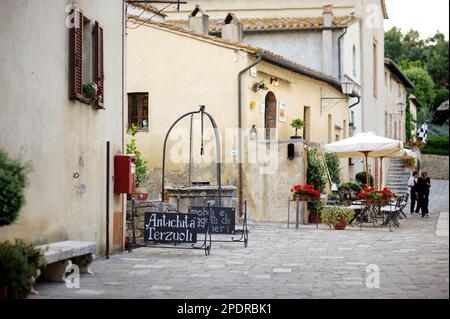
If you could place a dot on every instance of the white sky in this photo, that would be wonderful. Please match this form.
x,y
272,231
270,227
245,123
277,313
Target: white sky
x,y
424,16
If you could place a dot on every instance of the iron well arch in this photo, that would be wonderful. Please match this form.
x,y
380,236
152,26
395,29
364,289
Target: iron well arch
x,y
202,112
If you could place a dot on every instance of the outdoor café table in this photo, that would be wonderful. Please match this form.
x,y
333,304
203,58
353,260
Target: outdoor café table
x,y
369,211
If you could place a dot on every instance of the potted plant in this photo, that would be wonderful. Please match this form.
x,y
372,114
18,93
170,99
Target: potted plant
x,y
409,162
337,216
90,91
297,124
141,165
373,196
305,192
314,212
261,85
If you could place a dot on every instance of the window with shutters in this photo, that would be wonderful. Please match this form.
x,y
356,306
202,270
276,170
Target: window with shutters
x,y
138,110
86,76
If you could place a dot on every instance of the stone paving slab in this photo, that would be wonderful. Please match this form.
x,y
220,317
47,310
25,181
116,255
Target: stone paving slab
x,y
280,263
442,225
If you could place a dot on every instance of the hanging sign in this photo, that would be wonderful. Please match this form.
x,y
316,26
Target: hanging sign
x,y
222,219
282,112
163,228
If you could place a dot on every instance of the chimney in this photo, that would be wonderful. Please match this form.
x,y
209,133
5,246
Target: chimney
x,y
232,28
199,21
327,39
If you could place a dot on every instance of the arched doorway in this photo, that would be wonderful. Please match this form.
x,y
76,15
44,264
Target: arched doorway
x,y
270,115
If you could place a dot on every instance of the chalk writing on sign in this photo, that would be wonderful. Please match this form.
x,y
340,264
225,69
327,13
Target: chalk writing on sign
x,y
222,219
161,227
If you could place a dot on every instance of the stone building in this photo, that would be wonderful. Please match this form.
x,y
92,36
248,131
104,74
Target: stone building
x,y
50,50
344,38
187,69
396,89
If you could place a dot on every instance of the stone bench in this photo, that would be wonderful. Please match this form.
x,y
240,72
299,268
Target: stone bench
x,y
61,255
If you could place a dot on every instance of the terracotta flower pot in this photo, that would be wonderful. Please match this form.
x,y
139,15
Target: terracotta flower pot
x,y
341,225
314,218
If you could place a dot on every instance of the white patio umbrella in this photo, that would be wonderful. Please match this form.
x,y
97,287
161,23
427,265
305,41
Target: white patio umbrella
x,y
365,145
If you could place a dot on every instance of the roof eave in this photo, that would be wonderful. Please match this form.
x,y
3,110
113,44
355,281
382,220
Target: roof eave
x,y
304,71
399,73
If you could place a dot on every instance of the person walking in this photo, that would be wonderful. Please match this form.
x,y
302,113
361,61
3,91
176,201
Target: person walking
x,y
412,184
423,187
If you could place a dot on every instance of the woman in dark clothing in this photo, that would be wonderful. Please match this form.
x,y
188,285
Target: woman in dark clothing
x,y
423,188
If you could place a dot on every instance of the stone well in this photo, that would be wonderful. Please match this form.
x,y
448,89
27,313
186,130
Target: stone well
x,y
197,195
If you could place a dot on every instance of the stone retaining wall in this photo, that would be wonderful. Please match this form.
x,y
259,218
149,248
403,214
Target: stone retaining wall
x,y
435,165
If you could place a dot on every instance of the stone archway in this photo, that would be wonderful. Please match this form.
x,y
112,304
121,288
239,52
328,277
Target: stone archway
x,y
270,117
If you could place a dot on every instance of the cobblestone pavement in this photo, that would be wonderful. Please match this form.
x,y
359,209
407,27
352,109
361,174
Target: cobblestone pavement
x,y
286,263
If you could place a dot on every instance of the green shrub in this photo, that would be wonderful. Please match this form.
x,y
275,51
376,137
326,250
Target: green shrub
x,y
141,164
334,215
361,178
436,145
316,171
13,180
350,187
34,256
15,272
333,167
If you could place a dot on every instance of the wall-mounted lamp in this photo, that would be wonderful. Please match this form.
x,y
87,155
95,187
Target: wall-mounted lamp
x,y
274,82
401,107
348,87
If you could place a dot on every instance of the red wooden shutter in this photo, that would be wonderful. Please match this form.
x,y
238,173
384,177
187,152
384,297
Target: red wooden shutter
x,y
76,57
98,65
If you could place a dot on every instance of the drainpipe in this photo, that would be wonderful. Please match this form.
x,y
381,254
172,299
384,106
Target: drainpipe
x,y
339,52
240,157
123,199
357,102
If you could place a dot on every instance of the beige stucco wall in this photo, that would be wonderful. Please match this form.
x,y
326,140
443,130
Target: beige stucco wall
x,y
39,123
395,93
182,72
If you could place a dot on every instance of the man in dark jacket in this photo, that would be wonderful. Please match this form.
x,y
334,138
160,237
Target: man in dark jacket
x,y
423,188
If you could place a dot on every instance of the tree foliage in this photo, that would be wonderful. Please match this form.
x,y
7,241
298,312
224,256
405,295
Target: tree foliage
x,y
425,62
13,181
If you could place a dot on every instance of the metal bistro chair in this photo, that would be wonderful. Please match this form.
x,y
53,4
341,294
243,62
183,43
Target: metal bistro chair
x,y
394,210
405,197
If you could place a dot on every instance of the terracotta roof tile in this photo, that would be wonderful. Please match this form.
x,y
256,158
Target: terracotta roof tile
x,y
273,24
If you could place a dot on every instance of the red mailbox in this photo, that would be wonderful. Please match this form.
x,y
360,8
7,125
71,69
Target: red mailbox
x,y
124,174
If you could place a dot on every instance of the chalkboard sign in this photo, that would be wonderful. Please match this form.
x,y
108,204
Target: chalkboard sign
x,y
222,219
163,228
